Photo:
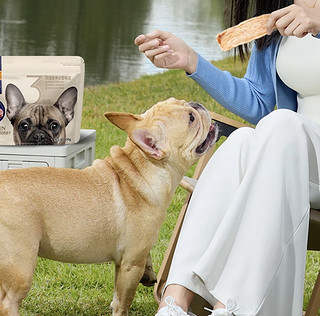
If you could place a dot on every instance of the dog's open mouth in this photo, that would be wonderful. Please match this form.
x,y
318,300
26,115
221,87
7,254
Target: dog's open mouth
x,y
211,137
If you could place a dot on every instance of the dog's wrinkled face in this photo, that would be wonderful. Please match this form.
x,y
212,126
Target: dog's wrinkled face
x,y
39,124
172,129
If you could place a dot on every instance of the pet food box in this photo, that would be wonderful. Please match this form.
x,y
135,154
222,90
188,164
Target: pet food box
x,y
79,155
40,99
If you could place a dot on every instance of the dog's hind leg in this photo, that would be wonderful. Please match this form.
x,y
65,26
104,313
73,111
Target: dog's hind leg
x,y
149,278
7,306
9,300
15,283
17,264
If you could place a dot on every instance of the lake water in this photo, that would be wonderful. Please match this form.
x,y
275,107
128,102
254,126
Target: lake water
x,y
102,31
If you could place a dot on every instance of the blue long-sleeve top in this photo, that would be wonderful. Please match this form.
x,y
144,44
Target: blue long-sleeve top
x,y
256,94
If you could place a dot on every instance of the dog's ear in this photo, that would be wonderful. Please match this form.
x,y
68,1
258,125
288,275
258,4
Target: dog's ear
x,y
66,103
125,121
15,101
146,139
149,143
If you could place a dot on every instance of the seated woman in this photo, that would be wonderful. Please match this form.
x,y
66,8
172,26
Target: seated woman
x,y
243,242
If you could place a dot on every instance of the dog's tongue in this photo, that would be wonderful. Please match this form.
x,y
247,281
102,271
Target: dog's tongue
x,y
211,127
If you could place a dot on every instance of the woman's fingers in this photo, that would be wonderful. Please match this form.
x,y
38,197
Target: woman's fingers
x,y
291,20
159,34
151,53
300,31
139,39
165,60
149,44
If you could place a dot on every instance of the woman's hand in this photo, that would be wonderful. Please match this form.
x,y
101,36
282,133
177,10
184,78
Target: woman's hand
x,y
167,51
294,20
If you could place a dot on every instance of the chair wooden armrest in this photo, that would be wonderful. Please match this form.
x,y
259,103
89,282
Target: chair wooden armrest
x,y
314,244
188,183
226,127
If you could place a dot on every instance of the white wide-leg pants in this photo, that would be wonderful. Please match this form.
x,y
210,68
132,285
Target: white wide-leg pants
x,y
244,238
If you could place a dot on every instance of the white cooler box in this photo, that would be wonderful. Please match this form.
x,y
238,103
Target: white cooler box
x,y
78,155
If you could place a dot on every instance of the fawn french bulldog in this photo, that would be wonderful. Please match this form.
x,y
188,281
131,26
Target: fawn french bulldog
x,y
110,211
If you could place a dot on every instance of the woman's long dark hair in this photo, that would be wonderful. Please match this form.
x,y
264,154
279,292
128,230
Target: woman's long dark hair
x,y
240,10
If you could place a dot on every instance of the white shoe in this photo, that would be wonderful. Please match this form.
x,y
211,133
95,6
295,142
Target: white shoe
x,y
227,311
171,309
219,312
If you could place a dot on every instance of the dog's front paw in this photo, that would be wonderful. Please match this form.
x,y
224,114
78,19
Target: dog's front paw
x,y
118,310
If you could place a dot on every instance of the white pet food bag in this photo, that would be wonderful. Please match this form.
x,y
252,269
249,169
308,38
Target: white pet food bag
x,y
40,99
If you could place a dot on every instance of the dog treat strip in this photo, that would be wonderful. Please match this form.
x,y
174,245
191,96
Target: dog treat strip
x,y
243,33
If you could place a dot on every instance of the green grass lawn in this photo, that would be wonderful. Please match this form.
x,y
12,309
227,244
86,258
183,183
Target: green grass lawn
x,y
67,289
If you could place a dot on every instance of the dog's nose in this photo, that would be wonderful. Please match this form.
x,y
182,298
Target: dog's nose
x,y
39,138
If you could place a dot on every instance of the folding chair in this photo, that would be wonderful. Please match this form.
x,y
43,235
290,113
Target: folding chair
x,y
226,127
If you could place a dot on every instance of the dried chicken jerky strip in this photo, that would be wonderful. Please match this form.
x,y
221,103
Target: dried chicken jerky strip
x,y
243,33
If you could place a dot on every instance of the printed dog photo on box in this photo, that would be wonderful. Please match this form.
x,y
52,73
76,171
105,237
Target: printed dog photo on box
x,y
41,99
39,123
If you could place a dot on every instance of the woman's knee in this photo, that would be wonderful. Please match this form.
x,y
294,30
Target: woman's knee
x,y
282,126
282,129
241,135
281,119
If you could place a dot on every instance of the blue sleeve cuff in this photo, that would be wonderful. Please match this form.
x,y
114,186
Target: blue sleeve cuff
x,y
195,73
317,36
202,69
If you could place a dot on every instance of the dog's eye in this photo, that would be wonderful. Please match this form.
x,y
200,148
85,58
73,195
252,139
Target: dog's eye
x,y
25,126
191,118
54,126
